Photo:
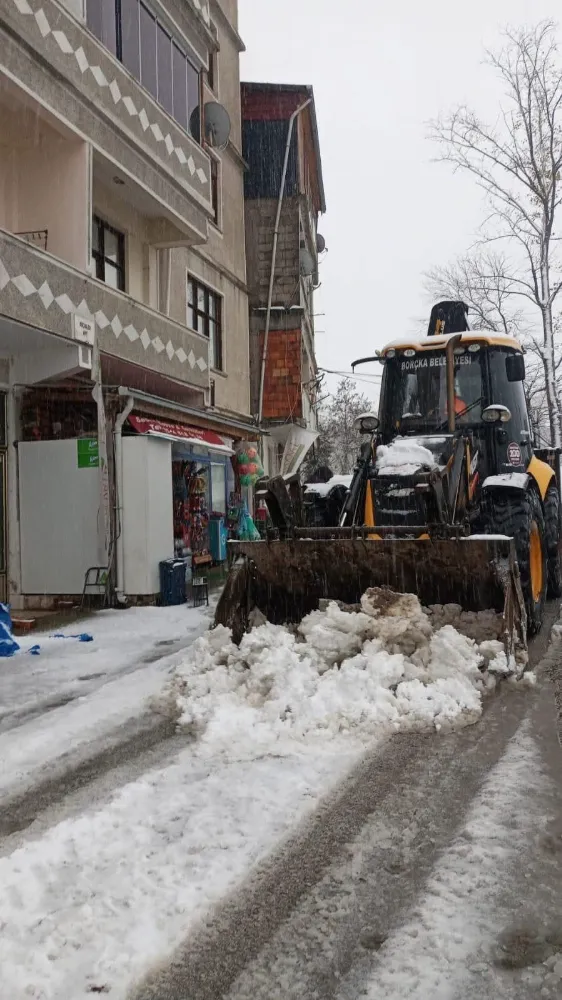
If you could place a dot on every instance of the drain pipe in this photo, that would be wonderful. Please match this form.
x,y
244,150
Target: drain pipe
x,y
292,120
118,452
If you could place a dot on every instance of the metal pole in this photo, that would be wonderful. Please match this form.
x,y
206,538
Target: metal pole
x,y
451,344
292,119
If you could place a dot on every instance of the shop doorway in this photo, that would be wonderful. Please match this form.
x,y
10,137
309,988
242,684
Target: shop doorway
x,y
199,484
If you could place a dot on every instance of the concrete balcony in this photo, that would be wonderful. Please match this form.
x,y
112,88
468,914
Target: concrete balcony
x,y
52,57
41,292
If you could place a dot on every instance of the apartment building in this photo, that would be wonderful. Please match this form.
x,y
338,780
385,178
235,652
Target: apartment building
x,y
280,128
124,356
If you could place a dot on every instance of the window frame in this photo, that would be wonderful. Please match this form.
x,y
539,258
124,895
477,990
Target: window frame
x,y
203,318
178,42
212,72
99,255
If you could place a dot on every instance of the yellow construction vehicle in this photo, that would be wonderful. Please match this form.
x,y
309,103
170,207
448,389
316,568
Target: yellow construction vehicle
x,y
449,499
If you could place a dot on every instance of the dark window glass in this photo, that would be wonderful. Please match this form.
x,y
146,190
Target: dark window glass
x,y
149,77
108,251
212,70
193,96
415,389
130,41
205,315
512,395
180,86
3,436
215,191
102,22
165,70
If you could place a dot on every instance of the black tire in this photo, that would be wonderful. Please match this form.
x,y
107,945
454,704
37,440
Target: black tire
x,y
552,533
520,515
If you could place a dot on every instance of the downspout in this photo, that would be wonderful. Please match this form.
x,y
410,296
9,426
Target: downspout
x,y
292,120
118,450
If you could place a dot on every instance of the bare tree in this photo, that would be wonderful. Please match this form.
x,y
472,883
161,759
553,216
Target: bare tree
x,y
481,280
517,162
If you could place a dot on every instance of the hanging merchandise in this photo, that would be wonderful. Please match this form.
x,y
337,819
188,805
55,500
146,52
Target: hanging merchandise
x,y
191,514
247,531
247,463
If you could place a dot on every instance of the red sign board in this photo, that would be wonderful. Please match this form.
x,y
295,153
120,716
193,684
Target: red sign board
x,y
180,432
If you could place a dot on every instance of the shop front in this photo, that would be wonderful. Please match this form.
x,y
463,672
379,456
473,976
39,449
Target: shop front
x,y
202,480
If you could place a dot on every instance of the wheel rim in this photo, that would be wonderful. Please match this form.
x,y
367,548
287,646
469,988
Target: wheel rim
x,y
536,561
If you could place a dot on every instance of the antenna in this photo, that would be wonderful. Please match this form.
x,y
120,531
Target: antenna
x,y
217,124
320,243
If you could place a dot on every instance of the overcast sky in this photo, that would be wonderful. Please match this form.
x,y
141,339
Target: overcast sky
x,y
379,73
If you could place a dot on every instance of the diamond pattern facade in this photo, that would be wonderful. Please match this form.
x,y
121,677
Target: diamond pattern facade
x,y
38,290
78,46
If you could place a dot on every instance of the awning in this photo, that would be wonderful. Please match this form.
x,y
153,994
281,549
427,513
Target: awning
x,y
182,432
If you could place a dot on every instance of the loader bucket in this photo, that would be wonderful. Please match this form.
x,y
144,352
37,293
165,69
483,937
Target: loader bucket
x,y
285,580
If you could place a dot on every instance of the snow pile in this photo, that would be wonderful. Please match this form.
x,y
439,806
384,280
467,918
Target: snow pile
x,y
339,672
403,457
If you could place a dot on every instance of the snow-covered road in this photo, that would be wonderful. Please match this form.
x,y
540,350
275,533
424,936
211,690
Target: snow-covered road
x,y
272,849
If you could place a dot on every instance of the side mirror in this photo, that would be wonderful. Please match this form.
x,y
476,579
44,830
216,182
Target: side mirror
x,y
515,367
366,423
496,414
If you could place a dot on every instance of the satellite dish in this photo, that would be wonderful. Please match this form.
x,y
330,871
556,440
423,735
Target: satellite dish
x,y
307,264
320,243
217,124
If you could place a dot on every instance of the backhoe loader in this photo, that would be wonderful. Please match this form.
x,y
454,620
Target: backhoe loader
x,y
449,500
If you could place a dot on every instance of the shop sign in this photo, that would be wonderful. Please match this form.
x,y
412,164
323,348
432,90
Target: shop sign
x,y
88,453
180,432
84,329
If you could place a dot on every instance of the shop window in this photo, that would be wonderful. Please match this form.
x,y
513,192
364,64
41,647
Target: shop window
x,y
204,314
130,30
108,251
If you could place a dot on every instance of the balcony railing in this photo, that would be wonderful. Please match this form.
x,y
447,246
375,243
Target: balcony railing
x,y
39,290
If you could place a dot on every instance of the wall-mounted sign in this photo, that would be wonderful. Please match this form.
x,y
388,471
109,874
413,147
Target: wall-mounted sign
x,y
84,330
88,453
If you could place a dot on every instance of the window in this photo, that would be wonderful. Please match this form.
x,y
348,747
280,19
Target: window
x,y
416,391
133,33
212,71
130,35
179,86
165,69
204,314
108,251
102,21
149,72
215,189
